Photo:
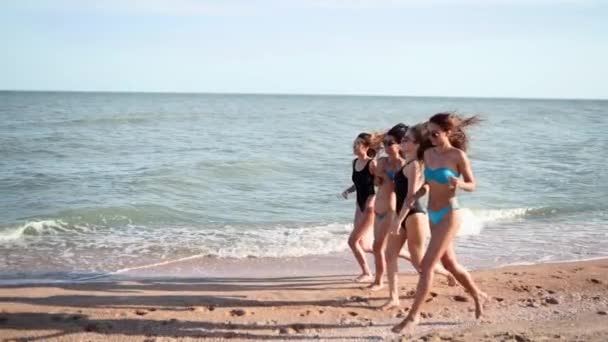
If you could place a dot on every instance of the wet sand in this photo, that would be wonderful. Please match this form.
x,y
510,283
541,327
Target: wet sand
x,y
563,302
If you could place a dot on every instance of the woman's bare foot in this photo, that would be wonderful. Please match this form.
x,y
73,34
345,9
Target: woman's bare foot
x,y
363,278
451,280
406,326
482,297
375,287
391,304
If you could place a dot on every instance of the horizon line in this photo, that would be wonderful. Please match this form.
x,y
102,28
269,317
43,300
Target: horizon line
x,y
296,94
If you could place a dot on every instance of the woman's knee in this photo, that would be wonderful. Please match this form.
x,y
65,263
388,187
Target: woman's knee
x,y
377,246
392,254
450,265
353,241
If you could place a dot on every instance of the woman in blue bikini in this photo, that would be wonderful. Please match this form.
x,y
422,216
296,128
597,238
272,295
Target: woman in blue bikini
x,y
444,163
386,200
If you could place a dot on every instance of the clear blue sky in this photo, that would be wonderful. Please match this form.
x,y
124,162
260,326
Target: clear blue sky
x,y
486,48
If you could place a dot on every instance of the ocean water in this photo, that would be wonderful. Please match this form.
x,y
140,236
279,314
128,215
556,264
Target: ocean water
x,y
101,182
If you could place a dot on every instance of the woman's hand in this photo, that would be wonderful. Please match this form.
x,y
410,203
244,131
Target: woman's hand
x,y
395,226
455,182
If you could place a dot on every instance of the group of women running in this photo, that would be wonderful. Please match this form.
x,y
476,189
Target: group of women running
x,y
425,159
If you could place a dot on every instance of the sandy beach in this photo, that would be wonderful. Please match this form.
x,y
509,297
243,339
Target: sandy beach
x,y
545,302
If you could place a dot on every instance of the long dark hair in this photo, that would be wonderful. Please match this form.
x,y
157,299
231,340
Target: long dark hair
x,y
421,137
456,125
372,141
398,132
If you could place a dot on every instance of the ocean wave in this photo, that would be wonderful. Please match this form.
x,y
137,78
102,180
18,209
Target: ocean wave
x,y
474,220
43,227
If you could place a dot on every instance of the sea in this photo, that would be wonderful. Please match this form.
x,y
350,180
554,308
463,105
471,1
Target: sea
x,y
102,183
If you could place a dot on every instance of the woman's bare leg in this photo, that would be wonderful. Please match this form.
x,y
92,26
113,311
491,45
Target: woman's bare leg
x,y
393,248
441,239
417,226
363,224
464,278
381,230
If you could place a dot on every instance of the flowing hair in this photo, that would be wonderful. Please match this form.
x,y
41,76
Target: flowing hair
x,y
456,125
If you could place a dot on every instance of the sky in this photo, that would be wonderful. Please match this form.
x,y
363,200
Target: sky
x,y
469,48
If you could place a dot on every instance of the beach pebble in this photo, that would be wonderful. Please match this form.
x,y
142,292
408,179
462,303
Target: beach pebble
x,y
595,281
601,312
211,307
550,292
521,288
551,300
238,312
459,298
354,314
498,299
433,294
596,298
141,312
533,305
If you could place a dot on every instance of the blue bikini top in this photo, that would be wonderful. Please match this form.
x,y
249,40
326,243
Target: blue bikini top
x,y
440,175
391,174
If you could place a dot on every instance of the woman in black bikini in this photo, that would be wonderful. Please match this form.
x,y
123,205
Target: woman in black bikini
x,y
410,223
363,183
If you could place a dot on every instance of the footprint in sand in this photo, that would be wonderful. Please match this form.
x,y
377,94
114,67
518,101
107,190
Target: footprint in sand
x,y
461,298
595,281
238,313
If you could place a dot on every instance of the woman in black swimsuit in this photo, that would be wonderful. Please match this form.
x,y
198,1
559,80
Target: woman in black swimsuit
x,y
363,183
411,223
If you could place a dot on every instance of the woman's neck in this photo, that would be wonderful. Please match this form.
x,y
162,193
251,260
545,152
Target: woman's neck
x,y
394,159
409,159
443,148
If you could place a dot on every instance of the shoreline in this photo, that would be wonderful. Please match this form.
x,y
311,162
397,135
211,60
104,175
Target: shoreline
x,y
204,266
557,301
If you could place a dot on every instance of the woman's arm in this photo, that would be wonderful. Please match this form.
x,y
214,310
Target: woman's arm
x,y
468,180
